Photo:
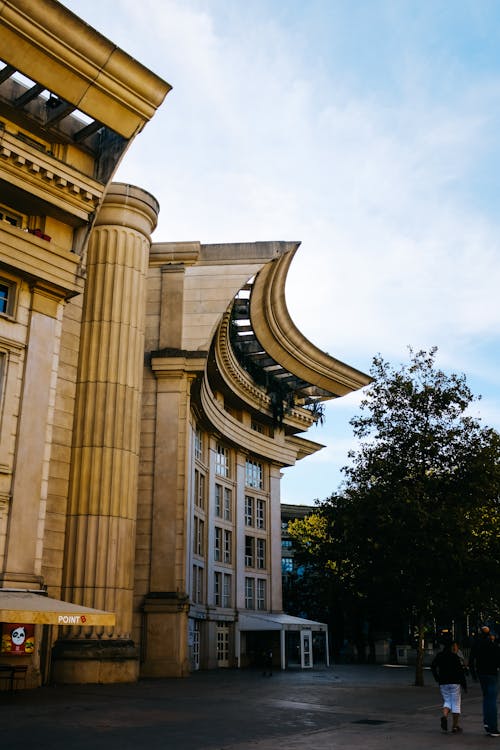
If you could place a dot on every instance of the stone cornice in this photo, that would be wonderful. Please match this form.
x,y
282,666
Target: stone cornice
x,y
168,363
174,253
241,435
303,447
280,338
51,45
47,177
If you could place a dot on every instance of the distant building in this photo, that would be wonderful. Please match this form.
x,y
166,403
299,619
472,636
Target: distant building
x,y
150,393
289,564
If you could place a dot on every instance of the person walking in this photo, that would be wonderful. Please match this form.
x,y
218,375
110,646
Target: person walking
x,y
448,671
484,663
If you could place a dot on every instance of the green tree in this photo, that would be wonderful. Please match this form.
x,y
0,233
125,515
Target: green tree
x,y
415,529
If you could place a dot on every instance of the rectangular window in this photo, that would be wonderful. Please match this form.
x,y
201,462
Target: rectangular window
x,y
198,535
260,520
218,544
249,551
226,590
15,220
249,510
261,594
228,546
287,564
218,500
197,594
199,489
249,593
261,553
7,290
198,445
254,474
217,589
221,460
228,504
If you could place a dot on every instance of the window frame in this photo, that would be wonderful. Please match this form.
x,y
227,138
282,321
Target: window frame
x,y
227,590
227,546
197,584
8,302
198,536
222,461
249,592
218,544
249,551
261,594
217,588
260,553
260,513
249,511
254,474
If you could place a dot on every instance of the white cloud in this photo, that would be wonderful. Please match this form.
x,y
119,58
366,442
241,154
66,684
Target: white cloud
x,y
385,190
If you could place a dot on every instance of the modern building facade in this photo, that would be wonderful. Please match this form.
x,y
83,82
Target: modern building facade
x,y
150,392
290,568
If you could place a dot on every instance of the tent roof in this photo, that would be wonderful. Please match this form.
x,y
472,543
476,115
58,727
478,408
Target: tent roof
x,y
277,621
34,607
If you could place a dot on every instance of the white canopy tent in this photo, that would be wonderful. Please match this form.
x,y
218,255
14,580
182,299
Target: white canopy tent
x,y
248,622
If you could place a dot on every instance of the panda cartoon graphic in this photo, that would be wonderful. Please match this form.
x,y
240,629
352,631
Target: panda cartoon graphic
x,y
18,639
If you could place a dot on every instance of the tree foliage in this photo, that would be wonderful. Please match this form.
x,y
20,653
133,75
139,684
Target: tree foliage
x,y
415,527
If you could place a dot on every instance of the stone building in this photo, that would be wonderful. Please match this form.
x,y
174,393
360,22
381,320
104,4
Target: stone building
x,y
150,392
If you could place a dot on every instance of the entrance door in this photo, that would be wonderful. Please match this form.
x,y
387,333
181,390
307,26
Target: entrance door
x,y
306,656
222,645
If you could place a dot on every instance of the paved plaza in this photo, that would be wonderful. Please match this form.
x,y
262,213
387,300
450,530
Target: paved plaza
x,y
345,706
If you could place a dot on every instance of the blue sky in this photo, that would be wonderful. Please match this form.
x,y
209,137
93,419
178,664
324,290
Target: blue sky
x,y
368,130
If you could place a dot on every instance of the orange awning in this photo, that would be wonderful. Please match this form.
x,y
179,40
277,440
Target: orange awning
x,y
36,608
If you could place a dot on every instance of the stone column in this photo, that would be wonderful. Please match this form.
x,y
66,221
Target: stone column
x,y
22,565
103,490
166,607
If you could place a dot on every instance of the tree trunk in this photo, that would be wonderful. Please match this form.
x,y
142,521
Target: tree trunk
x,y
419,667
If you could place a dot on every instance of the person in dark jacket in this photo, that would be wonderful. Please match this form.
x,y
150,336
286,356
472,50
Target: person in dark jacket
x,y
448,671
484,663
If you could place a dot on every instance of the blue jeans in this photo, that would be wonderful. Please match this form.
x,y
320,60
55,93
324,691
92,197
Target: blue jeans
x,y
489,687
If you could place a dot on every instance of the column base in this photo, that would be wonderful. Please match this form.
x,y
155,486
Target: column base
x,y
94,661
165,635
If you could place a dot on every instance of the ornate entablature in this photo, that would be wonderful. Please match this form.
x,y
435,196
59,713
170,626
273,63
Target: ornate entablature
x,y
25,165
71,102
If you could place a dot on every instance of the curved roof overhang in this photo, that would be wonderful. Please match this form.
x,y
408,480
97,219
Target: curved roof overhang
x,y
284,450
61,53
283,343
240,383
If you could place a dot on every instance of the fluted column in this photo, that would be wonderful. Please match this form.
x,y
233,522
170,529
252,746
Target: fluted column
x,y
103,491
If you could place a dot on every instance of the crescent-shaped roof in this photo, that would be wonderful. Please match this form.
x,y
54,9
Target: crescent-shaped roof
x,y
279,337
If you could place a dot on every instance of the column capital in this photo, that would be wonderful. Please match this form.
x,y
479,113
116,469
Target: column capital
x,y
129,206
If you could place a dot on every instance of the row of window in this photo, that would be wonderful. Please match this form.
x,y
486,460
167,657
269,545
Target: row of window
x,y
255,508
255,589
255,512
254,470
255,552
255,547
255,593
